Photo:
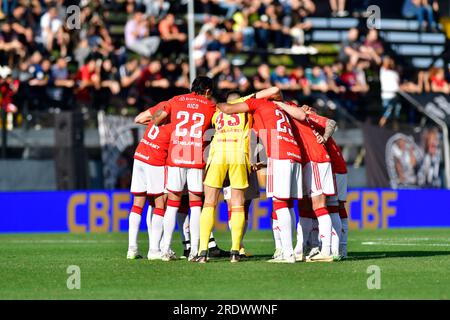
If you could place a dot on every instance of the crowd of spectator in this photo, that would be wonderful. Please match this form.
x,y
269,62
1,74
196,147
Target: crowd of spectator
x,y
48,64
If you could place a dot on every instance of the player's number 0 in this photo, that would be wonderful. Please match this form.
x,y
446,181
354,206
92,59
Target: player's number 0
x,y
153,132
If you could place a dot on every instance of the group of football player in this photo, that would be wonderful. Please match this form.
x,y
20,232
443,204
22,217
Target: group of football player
x,y
182,179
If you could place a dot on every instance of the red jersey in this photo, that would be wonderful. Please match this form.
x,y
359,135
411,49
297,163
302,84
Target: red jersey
x,y
306,138
190,115
337,160
152,148
273,127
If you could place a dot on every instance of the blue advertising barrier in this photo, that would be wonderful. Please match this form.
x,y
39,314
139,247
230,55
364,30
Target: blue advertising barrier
x,y
107,211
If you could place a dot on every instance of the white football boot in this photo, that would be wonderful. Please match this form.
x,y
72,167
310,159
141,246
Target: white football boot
x,y
154,255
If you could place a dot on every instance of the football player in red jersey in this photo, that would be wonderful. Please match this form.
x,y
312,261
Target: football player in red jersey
x,y
148,180
335,203
318,183
272,126
190,114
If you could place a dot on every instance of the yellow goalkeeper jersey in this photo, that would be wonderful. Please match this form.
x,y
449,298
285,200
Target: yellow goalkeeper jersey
x,y
232,130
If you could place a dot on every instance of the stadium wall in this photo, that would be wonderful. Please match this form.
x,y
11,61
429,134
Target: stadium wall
x,y
107,211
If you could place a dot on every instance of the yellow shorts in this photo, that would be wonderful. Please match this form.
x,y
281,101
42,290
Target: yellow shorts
x,y
220,164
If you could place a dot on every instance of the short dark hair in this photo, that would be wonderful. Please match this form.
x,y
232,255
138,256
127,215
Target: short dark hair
x,y
201,84
231,92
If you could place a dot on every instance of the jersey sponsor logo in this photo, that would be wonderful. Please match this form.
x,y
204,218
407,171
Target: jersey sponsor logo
x,y
140,155
294,155
150,144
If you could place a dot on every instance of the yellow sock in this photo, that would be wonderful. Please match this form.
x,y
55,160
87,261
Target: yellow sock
x,y
237,226
206,226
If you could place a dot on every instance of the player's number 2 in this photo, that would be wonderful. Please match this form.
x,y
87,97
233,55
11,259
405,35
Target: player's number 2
x,y
283,124
195,132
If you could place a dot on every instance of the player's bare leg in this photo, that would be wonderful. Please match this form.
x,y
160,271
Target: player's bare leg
x,y
170,219
157,225
134,221
207,217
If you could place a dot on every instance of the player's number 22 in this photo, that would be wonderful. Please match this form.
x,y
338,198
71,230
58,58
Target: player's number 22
x,y
195,132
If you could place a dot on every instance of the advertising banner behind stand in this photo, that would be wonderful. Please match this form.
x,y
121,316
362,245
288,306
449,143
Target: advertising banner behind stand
x,y
403,159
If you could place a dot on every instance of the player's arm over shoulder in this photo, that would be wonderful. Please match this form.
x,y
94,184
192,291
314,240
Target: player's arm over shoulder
x,y
273,93
292,109
146,116
229,108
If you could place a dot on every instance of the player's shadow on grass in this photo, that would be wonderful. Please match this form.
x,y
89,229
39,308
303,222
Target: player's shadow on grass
x,y
394,254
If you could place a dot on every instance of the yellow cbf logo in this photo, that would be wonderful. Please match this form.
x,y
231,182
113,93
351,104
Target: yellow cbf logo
x,y
376,209
98,206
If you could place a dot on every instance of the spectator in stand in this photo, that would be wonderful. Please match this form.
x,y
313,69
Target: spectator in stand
x,y
108,85
7,8
280,78
20,23
338,8
438,82
318,84
214,50
98,37
59,85
226,79
200,44
50,25
151,77
317,79
418,83
87,79
137,36
350,48
390,85
244,29
355,83
230,6
183,80
241,80
297,24
155,8
298,80
262,78
9,44
373,46
172,40
129,73
418,9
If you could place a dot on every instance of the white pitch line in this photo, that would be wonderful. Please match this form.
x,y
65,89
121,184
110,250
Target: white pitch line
x,y
61,241
373,243
409,239
45,241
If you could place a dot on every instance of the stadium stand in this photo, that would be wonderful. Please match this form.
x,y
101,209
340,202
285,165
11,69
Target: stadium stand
x,y
127,55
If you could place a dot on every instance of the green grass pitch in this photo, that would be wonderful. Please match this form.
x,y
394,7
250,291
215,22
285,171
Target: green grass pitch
x,y
414,264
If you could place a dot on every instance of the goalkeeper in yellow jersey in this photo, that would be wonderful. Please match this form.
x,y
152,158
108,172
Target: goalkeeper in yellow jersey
x,y
228,154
